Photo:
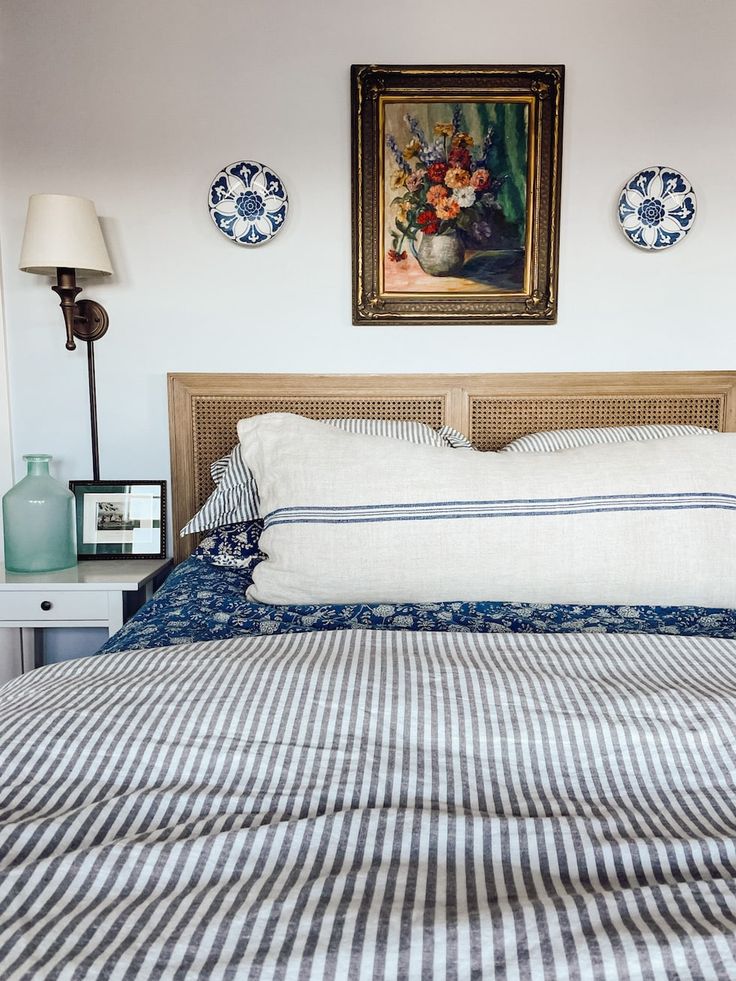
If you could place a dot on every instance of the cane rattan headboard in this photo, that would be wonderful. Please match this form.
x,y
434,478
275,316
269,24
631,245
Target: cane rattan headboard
x,y
490,409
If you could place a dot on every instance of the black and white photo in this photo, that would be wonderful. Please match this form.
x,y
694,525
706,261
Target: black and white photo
x,y
119,519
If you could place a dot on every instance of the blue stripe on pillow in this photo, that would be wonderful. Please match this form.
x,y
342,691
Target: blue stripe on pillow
x,y
524,508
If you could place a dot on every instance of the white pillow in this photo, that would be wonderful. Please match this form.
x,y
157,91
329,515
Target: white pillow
x,y
350,519
235,498
568,439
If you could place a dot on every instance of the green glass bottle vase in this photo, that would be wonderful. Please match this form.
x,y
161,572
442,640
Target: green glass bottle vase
x,y
39,522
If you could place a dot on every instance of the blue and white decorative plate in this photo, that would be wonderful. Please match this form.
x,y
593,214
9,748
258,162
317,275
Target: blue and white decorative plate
x,y
657,208
248,202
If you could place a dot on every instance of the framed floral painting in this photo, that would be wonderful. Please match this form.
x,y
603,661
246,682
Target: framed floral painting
x,y
456,194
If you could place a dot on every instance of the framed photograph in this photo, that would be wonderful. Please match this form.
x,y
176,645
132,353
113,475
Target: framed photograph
x,y
456,194
119,519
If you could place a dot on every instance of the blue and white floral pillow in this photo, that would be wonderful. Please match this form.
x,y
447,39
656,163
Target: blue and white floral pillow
x,y
232,546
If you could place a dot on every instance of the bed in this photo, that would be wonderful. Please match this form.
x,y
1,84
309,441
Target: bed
x,y
449,790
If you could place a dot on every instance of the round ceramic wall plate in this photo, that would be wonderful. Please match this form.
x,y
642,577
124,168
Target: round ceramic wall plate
x,y
656,208
248,202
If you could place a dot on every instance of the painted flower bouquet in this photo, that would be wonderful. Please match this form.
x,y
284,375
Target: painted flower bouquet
x,y
445,189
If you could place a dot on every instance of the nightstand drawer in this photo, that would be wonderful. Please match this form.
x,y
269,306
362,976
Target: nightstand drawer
x,y
52,604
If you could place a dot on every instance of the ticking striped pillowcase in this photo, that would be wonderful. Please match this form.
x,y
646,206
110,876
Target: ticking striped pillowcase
x,y
570,439
411,432
454,439
235,499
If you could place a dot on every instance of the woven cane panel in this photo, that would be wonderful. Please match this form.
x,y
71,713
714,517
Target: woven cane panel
x,y
496,422
215,419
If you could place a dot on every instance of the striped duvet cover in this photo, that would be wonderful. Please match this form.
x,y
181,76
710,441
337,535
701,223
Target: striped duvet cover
x,y
373,805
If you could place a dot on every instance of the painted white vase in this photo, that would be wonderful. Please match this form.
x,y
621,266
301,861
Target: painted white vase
x,y
441,255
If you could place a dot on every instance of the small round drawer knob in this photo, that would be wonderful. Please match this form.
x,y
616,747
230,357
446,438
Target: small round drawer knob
x,y
46,605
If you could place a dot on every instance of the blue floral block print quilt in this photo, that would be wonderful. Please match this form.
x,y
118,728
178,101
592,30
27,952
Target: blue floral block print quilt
x,y
200,601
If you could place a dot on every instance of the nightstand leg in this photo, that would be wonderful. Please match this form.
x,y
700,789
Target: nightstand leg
x,y
31,655
115,612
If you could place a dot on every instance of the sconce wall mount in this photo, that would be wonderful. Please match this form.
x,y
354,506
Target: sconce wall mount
x,y
87,320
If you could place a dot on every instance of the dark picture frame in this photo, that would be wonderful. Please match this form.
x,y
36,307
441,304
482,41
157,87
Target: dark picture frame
x,y
120,519
483,249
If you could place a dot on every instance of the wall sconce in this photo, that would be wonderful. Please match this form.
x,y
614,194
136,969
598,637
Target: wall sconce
x,y
63,238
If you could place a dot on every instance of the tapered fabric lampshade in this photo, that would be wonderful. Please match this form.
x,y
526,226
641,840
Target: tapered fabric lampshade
x,y
63,232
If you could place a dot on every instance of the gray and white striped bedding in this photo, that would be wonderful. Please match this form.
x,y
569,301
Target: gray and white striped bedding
x,y
373,805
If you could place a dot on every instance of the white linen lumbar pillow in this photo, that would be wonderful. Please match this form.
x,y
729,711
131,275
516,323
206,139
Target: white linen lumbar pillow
x,y
353,519
235,497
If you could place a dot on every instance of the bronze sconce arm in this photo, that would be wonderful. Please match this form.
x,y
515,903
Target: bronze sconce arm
x,y
86,320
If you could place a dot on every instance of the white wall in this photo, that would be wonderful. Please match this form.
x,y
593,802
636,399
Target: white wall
x,y
9,639
6,460
138,104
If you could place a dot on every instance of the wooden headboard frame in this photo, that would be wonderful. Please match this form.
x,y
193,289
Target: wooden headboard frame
x,y
490,409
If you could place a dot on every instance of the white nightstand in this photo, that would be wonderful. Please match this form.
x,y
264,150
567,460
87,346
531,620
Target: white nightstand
x,y
92,594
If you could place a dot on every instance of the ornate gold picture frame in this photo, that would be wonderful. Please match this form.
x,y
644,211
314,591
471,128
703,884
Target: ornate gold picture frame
x,y
456,194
